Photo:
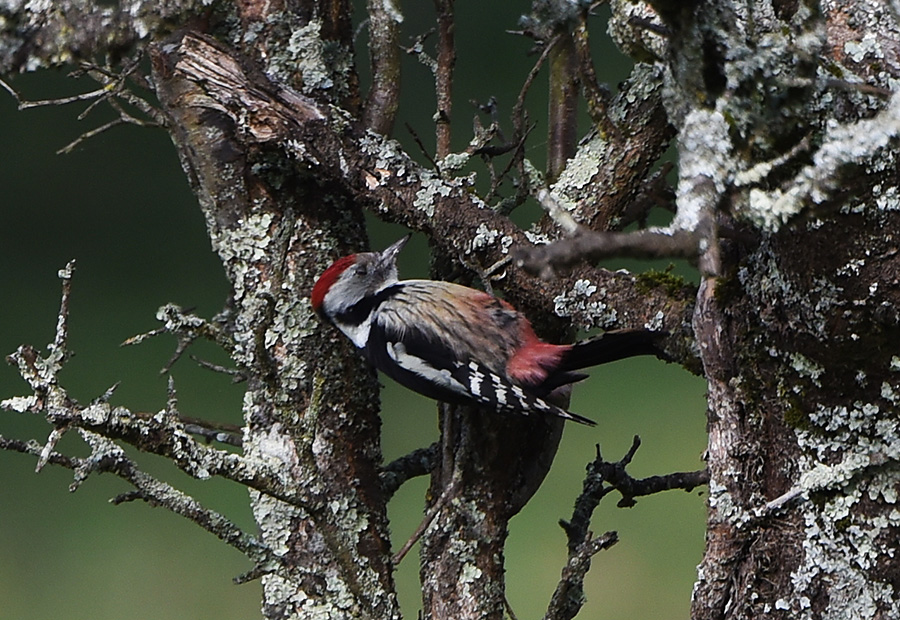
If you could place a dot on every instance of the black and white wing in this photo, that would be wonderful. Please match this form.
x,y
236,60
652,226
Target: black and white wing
x,y
420,361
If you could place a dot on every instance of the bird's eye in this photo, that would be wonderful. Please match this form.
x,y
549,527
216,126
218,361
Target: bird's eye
x,y
361,270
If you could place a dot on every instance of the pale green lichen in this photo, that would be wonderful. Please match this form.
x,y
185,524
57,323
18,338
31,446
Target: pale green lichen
x,y
20,404
581,169
454,162
578,301
706,159
485,238
347,518
842,543
842,144
537,238
432,186
655,323
723,503
469,573
387,154
533,177
867,46
889,393
307,48
807,367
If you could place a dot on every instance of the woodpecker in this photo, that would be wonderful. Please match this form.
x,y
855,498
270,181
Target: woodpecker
x,y
457,344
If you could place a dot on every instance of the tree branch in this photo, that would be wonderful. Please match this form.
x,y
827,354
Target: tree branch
x,y
417,463
568,597
163,433
49,35
563,113
604,477
377,173
446,59
545,260
607,173
186,328
384,53
107,457
597,96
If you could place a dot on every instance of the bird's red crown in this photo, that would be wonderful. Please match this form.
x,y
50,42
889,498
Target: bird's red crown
x,y
323,284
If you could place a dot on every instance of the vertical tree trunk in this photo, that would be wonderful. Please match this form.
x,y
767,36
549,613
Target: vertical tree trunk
x,y
798,333
490,467
315,417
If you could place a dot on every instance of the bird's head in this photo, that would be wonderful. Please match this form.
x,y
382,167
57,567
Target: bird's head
x,y
353,278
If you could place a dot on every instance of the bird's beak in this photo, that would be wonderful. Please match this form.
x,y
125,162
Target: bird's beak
x,y
389,254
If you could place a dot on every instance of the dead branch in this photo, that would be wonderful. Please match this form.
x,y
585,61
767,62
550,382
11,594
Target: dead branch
x,y
114,90
446,59
186,328
163,433
417,463
568,597
547,260
107,457
384,53
603,477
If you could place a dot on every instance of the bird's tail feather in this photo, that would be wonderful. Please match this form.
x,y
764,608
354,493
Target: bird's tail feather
x,y
611,346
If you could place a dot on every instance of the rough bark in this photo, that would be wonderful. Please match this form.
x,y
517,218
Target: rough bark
x,y
793,335
786,197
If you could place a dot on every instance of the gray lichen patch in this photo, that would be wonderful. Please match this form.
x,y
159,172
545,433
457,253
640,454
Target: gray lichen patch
x,y
581,300
849,460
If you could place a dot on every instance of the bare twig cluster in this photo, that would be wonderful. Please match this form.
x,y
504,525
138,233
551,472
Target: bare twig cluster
x,y
604,477
166,433
115,91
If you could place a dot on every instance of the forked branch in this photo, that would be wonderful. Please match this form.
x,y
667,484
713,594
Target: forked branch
x,y
602,478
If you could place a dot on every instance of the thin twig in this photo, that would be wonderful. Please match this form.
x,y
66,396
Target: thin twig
x,y
421,145
417,49
237,376
26,105
596,95
430,514
164,435
114,87
562,123
186,328
520,121
107,457
61,339
518,112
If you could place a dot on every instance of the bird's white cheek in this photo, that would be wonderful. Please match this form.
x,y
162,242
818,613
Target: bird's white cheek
x,y
358,334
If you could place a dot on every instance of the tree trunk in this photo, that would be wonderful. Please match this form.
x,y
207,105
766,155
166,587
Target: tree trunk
x,y
787,199
798,332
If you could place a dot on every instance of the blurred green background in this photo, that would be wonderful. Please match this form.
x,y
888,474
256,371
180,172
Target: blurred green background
x,y
121,207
